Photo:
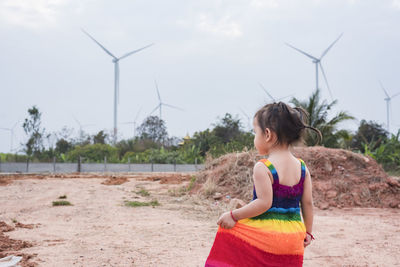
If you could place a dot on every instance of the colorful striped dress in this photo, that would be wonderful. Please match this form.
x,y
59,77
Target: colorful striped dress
x,y
274,238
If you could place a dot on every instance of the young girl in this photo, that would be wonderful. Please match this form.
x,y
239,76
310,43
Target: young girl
x,y
269,230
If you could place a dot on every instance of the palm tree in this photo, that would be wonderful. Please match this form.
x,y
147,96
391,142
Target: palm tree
x,y
318,118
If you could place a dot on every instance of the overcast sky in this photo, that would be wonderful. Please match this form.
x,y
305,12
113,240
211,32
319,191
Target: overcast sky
x,y
208,58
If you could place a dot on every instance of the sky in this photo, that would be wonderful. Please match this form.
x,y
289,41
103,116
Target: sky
x,y
208,58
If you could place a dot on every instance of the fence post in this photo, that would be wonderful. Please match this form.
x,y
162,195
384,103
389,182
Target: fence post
x,y
79,163
152,168
195,163
0,163
129,163
105,163
54,164
27,164
174,165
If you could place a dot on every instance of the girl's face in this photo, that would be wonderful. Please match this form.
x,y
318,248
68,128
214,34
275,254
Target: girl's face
x,y
262,139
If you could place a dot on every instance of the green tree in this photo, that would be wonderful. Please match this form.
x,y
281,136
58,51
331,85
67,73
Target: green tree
x,y
100,138
318,117
94,153
32,127
228,128
153,128
369,133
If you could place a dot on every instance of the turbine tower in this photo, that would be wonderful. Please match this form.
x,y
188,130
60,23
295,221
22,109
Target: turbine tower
x,y
387,99
317,62
160,104
116,60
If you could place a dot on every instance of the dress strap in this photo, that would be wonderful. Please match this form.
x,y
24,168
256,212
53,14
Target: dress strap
x,y
271,169
303,171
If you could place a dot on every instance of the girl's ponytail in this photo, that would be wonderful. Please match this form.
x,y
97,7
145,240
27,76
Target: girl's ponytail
x,y
303,115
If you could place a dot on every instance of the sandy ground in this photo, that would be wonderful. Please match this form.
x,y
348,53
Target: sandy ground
x,y
99,230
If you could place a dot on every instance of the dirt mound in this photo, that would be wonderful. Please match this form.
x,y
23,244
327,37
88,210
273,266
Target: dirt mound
x,y
10,246
340,177
115,180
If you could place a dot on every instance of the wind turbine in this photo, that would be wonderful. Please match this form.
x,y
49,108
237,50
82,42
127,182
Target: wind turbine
x,y
81,126
12,134
317,62
387,99
134,122
116,60
248,119
270,96
160,104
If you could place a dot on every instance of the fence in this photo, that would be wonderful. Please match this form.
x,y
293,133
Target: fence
x,y
55,167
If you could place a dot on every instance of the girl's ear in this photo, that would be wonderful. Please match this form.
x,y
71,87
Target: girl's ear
x,y
267,134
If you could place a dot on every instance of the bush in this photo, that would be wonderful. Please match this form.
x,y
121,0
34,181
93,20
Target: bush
x,y
94,153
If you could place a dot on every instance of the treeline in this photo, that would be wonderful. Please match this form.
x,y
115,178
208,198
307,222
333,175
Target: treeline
x,y
153,144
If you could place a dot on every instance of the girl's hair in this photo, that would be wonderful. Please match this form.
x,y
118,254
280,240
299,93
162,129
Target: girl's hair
x,y
288,123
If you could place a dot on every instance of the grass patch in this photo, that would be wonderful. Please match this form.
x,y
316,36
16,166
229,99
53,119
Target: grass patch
x,y
178,192
141,204
14,221
61,203
143,192
191,183
62,197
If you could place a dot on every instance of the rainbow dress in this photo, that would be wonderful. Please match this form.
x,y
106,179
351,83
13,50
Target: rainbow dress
x,y
273,238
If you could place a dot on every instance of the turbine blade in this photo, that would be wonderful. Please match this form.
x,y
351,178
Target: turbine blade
x,y
155,109
158,93
383,88
262,87
108,52
395,95
304,53
244,113
326,80
77,121
135,51
5,129
284,97
14,125
137,114
171,106
329,47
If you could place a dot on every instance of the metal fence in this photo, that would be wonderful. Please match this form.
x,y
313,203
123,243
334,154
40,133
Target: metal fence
x,y
54,167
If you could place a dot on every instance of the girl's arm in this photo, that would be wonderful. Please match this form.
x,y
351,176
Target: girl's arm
x,y
263,185
307,203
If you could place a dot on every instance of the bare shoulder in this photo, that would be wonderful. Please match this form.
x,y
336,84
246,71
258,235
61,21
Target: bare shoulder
x,y
261,170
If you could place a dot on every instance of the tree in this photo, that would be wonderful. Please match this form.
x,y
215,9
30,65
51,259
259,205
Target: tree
x,y
153,128
32,127
100,138
369,133
228,128
318,117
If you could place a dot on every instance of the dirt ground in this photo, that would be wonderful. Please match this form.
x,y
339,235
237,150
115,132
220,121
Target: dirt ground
x,y
99,230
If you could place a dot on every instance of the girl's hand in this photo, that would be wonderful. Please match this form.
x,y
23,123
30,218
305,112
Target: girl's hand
x,y
226,221
307,241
